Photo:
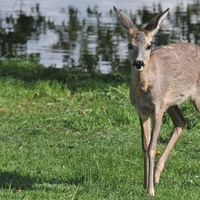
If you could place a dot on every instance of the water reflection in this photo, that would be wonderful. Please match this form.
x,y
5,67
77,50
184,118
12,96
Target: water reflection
x,y
95,42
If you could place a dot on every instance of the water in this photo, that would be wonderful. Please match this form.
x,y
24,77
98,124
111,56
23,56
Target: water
x,y
86,35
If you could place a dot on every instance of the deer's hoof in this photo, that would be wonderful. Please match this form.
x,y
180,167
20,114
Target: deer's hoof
x,y
155,184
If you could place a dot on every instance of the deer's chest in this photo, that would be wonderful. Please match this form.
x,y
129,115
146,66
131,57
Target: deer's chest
x,y
142,101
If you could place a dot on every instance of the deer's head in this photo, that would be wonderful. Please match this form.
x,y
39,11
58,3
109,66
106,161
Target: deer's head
x,y
139,46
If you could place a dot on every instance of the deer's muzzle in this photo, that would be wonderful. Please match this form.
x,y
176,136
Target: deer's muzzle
x,y
138,65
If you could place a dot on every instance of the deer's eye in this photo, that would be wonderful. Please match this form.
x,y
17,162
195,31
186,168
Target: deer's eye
x,y
130,46
149,47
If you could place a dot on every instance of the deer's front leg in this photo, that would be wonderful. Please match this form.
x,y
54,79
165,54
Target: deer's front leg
x,y
145,134
157,119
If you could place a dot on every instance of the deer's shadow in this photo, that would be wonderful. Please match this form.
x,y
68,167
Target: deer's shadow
x,y
16,181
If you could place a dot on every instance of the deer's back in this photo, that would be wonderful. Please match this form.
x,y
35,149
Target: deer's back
x,y
175,72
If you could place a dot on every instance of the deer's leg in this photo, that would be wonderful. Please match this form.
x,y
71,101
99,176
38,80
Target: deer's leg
x,y
145,134
179,123
157,120
196,100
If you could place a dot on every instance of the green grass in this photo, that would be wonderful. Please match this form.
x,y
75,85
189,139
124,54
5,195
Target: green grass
x,y
69,135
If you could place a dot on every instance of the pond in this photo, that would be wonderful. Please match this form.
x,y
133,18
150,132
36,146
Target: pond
x,y
86,35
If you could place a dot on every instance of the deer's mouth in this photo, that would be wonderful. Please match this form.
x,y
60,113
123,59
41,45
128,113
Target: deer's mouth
x,y
138,69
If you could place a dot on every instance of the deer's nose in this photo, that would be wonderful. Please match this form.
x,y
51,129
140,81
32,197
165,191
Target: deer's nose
x,y
139,64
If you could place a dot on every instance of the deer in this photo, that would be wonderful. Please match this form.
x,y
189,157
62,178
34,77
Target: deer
x,y
161,79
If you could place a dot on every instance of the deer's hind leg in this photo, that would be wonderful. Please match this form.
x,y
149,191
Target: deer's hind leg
x,y
196,101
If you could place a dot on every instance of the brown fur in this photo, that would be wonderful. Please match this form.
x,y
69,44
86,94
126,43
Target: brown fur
x,y
160,81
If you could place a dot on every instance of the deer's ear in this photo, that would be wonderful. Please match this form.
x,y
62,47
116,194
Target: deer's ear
x,y
154,25
124,21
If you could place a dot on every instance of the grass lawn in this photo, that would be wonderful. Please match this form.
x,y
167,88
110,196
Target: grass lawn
x,y
69,135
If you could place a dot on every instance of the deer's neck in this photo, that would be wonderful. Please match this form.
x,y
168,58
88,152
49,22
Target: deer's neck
x,y
140,80
140,92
